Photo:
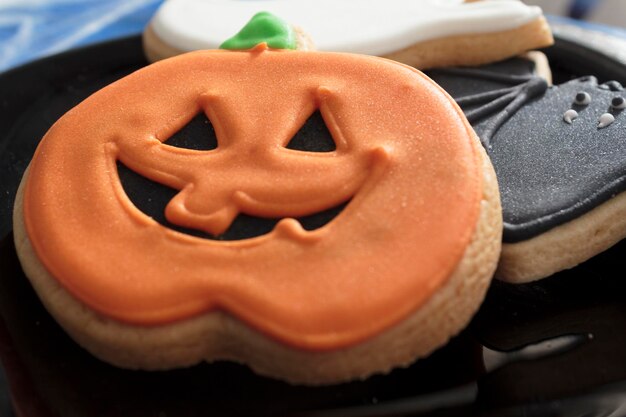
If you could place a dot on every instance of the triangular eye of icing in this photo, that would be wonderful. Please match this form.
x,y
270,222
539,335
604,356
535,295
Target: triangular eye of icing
x,y
314,136
198,135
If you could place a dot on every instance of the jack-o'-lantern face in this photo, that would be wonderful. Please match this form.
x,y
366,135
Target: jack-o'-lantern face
x,y
270,180
152,198
405,158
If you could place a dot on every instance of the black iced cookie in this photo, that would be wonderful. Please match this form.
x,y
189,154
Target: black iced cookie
x,y
558,151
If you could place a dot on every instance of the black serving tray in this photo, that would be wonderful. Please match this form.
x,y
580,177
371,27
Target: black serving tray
x,y
552,348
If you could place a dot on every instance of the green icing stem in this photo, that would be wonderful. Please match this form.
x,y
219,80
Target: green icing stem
x,y
263,27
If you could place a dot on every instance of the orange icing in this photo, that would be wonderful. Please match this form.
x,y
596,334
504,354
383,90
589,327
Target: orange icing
x,y
406,159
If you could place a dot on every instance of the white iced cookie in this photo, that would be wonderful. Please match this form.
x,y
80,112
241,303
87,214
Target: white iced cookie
x,y
424,34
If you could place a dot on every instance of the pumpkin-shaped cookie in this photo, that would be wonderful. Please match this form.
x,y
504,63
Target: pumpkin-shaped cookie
x,y
399,270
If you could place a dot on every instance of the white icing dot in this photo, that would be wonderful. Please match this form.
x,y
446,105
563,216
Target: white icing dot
x,y
569,116
605,120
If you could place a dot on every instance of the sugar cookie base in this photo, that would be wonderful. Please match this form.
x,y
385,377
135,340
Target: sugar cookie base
x,y
218,336
566,245
461,50
476,49
542,66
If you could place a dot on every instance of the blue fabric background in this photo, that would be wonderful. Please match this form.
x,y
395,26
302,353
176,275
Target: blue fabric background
x,y
30,29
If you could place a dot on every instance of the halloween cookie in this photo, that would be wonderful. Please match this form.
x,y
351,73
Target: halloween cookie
x,y
423,34
400,266
559,156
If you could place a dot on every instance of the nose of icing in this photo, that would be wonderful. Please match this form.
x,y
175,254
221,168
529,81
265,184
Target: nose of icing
x,y
215,217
